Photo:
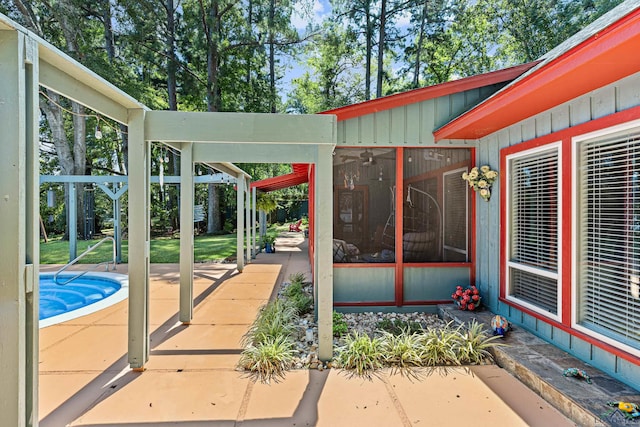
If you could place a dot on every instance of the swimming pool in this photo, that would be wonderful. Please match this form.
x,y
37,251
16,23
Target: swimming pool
x,y
84,295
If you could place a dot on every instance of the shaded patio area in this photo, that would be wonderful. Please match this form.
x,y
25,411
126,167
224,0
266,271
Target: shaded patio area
x,y
191,379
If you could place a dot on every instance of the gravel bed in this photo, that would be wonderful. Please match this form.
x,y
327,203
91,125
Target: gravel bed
x,y
366,323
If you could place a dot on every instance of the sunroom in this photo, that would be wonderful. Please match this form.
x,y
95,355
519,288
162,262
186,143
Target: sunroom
x,y
402,214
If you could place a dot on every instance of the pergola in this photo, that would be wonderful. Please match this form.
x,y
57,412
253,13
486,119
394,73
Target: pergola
x,y
27,63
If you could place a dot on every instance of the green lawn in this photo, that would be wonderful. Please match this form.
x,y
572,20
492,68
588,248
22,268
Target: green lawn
x,y
163,250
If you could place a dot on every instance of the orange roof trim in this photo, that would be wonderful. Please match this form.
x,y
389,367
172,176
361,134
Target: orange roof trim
x,y
300,175
429,92
602,59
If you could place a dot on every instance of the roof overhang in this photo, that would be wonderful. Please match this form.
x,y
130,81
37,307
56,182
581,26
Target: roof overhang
x,y
601,59
430,92
300,175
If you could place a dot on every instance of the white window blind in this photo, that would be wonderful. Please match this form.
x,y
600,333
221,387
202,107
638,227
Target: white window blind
x,y
534,185
608,246
455,216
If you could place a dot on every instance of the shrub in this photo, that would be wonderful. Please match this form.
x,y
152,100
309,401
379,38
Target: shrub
x,y
339,324
360,354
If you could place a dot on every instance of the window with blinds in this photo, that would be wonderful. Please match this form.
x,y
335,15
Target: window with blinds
x,y
533,187
608,237
455,216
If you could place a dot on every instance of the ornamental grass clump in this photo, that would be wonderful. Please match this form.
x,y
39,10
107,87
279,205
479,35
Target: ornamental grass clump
x,y
269,343
403,352
269,359
296,297
277,318
474,343
439,346
360,354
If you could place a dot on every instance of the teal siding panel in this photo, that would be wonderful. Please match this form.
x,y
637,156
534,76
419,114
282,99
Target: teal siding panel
x,y
562,339
382,125
367,129
427,122
627,95
430,284
351,131
442,110
363,284
529,322
628,373
398,131
581,349
545,331
605,360
412,123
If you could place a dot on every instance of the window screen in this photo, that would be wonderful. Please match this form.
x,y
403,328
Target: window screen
x,y
455,216
608,246
533,184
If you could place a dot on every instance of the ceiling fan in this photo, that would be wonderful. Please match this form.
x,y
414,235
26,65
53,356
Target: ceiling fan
x,y
367,158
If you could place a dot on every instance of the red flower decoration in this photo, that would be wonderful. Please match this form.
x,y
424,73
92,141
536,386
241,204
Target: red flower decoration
x,y
467,299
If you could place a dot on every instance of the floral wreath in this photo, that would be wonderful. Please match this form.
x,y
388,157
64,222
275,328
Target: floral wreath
x,y
481,180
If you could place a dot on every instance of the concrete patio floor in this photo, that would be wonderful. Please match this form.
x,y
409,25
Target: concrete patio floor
x,y
190,379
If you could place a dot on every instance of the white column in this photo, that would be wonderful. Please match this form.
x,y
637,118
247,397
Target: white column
x,y
139,241
19,168
254,210
240,222
186,232
248,221
323,274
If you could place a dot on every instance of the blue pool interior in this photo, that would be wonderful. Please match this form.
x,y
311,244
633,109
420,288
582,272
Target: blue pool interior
x,y
57,299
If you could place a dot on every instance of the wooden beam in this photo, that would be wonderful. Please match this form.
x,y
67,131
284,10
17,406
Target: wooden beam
x,y
176,126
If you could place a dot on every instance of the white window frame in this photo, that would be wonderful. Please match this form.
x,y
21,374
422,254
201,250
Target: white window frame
x,y
632,127
457,172
507,252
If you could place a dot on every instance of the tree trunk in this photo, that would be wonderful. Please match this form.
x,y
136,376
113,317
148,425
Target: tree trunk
x,y
416,68
171,57
213,59
368,54
381,46
272,59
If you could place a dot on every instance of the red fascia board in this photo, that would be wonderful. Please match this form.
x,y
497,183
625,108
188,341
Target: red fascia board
x,y
602,59
280,182
430,92
300,175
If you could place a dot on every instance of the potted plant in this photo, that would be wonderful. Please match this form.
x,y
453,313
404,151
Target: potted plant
x,y
269,243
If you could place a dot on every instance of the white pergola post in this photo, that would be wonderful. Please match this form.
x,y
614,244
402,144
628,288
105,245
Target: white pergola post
x,y
240,222
249,223
323,250
253,221
186,232
19,229
139,240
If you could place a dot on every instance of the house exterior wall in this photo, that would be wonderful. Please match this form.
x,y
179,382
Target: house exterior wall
x,y
369,285
621,95
412,124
